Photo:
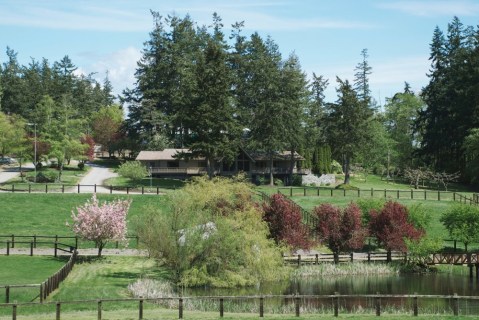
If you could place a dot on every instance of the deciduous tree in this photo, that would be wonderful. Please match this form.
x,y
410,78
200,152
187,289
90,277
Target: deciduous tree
x,y
391,226
340,230
101,222
285,224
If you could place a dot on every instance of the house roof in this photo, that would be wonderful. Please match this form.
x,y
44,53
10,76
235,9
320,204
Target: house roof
x,y
170,154
166,154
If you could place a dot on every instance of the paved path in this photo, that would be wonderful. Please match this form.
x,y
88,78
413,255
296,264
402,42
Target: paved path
x,y
96,176
10,172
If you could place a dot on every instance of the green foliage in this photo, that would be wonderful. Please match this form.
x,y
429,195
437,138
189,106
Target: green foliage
x,y
297,180
368,204
336,167
419,216
419,250
133,170
212,234
462,222
44,177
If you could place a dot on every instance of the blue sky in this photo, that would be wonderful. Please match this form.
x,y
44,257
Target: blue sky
x,y
327,35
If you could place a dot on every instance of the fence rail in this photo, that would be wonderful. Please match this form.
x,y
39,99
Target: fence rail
x,y
382,193
77,188
333,303
51,283
318,258
34,240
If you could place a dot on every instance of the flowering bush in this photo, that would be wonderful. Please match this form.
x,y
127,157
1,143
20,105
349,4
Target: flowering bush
x,y
101,222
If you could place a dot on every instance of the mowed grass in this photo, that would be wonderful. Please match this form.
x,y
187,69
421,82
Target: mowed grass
x,y
48,214
26,270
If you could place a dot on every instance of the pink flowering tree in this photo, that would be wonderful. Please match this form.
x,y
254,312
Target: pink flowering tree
x,y
101,222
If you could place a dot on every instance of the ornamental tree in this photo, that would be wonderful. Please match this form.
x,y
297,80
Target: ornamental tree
x,y
340,230
462,222
284,222
391,226
101,222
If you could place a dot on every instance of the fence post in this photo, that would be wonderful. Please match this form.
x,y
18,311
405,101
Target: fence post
x,y
439,196
76,242
414,304
46,188
261,307
331,192
41,292
398,194
180,308
344,192
157,190
369,256
336,304
140,309
29,188
56,248
299,260
31,248
142,190
455,304
13,241
127,190
454,196
99,309
14,312
359,193
8,248
7,294
372,192
385,193
58,311
304,192
111,189
296,305
351,256
221,307
78,188
425,195
317,258
377,302
412,194
63,188
13,188
291,191
318,191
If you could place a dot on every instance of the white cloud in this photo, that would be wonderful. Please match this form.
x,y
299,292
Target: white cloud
x,y
434,8
121,66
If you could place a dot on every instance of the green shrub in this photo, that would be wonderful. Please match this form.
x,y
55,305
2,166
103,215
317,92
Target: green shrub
x,y
278,182
336,167
81,165
366,205
133,170
44,177
297,180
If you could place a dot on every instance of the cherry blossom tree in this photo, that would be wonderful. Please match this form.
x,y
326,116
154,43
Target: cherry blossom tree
x,y
101,222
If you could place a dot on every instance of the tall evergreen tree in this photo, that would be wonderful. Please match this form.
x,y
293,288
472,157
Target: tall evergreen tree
x,y
361,79
346,125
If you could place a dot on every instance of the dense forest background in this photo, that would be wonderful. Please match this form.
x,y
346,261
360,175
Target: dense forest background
x,y
201,89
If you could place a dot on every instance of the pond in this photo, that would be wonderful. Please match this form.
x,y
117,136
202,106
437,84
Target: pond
x,y
422,284
433,284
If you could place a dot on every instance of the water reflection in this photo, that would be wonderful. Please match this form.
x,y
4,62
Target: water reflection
x,y
434,284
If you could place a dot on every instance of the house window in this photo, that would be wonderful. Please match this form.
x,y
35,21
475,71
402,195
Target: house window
x,y
173,164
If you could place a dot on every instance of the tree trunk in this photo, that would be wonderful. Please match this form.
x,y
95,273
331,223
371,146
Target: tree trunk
x,y
210,167
388,256
271,179
336,257
291,166
347,176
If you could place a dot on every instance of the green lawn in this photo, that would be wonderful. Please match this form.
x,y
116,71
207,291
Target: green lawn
x,y
47,214
25,270
70,176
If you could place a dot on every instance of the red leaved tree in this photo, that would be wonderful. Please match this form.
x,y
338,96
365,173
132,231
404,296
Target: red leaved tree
x,y
340,230
90,152
284,222
391,226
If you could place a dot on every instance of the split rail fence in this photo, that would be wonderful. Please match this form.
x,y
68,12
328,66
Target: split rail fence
x,y
381,193
77,188
334,304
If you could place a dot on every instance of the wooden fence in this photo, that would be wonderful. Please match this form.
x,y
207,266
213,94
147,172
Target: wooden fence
x,y
381,193
51,283
318,258
34,241
77,188
335,303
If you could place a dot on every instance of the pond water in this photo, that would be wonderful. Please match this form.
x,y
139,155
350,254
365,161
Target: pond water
x,y
432,284
426,284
